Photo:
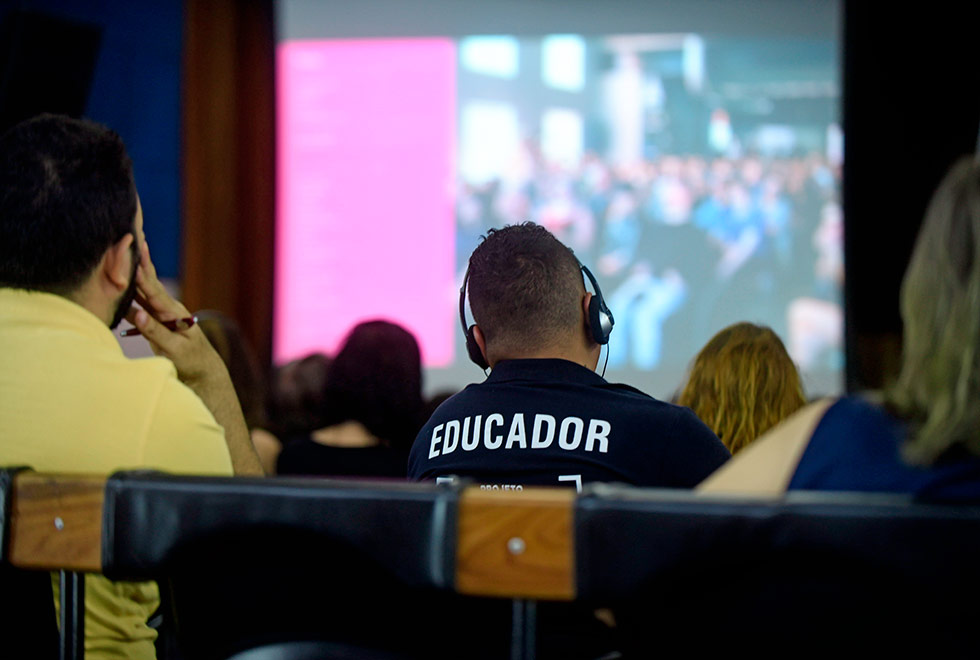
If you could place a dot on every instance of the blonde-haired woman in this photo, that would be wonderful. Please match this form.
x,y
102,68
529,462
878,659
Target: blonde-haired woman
x,y
743,383
924,436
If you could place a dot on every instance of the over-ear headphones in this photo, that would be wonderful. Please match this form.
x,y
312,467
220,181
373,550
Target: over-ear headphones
x,y
601,320
472,348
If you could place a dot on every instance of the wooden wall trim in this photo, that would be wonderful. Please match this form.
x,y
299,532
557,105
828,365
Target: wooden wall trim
x,y
228,147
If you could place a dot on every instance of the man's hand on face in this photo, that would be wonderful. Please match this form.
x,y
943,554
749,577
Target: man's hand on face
x,y
188,349
198,365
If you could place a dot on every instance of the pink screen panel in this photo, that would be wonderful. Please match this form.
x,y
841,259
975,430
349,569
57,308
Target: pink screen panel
x,y
365,217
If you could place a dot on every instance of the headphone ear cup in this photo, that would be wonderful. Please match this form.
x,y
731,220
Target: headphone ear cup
x,y
600,317
596,313
473,349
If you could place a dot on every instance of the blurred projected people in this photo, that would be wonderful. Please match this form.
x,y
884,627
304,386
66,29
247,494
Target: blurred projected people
x,y
816,321
925,438
372,408
620,234
683,262
683,242
641,305
776,212
640,301
742,383
567,218
738,231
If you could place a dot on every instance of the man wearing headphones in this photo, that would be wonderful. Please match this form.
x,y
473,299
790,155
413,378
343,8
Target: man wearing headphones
x,y
543,417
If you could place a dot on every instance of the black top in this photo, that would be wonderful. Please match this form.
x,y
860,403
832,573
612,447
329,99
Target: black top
x,y
548,422
857,446
303,456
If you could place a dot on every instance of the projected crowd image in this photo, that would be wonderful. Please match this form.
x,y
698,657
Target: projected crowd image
x,y
698,176
694,210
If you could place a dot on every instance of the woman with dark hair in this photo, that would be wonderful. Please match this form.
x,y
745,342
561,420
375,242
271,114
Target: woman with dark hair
x,y
373,408
743,383
924,436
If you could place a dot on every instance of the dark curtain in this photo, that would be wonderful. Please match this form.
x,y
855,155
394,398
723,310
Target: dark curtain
x,y
228,176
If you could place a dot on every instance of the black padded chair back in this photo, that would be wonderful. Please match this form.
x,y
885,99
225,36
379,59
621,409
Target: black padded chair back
x,y
367,567
811,575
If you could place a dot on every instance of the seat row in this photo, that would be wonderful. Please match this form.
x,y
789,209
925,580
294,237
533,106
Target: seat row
x,y
406,570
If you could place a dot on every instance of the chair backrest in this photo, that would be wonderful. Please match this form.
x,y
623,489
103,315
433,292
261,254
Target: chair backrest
x,y
813,574
382,568
256,563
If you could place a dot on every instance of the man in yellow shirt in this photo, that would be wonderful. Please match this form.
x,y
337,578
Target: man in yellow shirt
x,y
73,258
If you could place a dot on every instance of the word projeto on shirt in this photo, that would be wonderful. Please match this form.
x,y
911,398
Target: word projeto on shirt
x,y
494,432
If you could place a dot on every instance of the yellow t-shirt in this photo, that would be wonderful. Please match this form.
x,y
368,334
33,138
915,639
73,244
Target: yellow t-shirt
x,y
70,401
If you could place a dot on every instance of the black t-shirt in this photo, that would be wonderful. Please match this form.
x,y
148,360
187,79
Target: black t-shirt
x,y
303,456
550,422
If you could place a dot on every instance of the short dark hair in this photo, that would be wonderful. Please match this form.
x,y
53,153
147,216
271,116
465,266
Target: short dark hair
x,y
376,379
66,195
525,288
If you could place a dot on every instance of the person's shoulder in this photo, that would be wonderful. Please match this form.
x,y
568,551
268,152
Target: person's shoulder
x,y
859,426
182,434
643,403
156,380
139,383
472,394
860,417
629,391
868,405
154,369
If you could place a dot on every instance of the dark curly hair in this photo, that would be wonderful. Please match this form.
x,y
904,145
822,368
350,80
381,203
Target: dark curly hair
x,y
376,379
66,195
525,289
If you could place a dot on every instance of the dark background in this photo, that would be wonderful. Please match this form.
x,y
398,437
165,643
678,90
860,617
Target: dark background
x,y
117,62
911,107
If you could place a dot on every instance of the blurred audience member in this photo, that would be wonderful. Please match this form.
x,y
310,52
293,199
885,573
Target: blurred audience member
x,y
247,378
373,408
925,438
297,395
742,383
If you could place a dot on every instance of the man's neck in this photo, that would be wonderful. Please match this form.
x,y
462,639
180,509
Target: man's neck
x,y
87,296
584,356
